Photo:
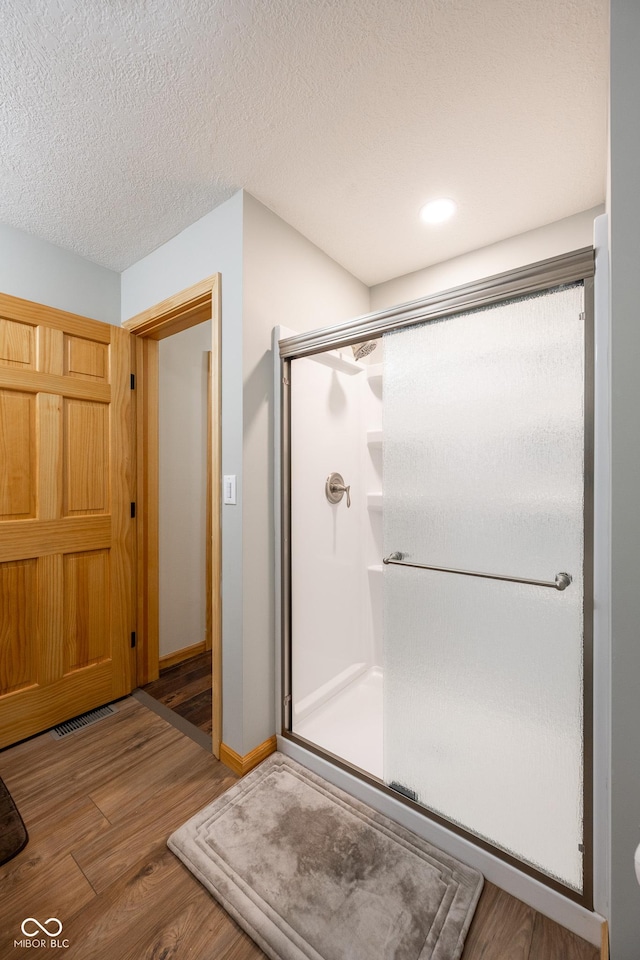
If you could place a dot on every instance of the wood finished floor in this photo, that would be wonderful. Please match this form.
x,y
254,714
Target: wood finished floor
x,y
99,806
186,689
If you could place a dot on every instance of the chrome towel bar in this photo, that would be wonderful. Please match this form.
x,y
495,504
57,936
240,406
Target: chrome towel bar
x,y
561,581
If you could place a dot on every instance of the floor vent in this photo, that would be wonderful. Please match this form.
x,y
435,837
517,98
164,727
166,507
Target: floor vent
x,y
85,720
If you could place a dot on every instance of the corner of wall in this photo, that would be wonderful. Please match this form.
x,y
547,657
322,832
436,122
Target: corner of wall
x,y
550,240
288,281
36,270
213,244
210,245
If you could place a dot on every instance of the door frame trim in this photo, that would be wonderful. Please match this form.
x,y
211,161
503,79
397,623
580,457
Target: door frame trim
x,y
183,310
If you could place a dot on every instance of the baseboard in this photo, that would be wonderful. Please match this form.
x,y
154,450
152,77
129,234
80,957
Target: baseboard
x,y
241,765
604,946
178,656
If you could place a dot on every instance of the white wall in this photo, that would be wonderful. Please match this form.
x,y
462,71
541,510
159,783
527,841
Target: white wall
x,y
288,281
548,241
212,244
182,422
625,476
36,270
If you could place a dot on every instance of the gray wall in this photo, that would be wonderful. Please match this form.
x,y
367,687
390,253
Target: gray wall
x,y
213,244
271,274
625,476
36,270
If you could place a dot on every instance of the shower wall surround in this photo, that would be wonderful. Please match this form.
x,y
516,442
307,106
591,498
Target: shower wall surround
x,y
333,407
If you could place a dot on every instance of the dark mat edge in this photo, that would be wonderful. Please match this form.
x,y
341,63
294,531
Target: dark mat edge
x,y
24,827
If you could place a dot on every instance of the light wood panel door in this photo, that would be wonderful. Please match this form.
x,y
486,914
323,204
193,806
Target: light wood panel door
x,y
66,532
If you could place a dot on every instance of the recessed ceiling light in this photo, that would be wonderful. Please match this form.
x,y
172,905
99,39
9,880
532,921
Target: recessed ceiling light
x,y
436,211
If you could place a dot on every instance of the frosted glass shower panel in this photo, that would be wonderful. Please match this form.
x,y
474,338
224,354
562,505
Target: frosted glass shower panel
x,y
483,471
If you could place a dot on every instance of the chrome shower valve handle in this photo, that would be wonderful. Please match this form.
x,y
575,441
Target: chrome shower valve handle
x,y
335,489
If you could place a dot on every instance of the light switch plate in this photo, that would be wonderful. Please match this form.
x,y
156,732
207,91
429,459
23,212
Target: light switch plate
x,y
229,488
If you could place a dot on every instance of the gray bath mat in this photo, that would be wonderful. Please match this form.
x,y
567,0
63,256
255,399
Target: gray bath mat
x,y
313,874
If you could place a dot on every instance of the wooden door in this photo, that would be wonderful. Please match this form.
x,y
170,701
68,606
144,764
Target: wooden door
x,y
66,533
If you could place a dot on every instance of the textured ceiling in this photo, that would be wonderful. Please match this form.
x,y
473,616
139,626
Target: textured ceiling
x,y
122,121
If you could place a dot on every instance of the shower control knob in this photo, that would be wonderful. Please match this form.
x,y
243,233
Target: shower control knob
x,y
335,489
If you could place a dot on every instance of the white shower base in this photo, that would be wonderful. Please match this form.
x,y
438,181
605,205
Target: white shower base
x,y
349,724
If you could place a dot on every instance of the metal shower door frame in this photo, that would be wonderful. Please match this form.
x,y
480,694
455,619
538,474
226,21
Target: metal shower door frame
x,y
545,275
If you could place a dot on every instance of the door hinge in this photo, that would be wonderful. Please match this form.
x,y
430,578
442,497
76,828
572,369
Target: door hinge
x,y
133,639
133,510
132,381
286,382
287,700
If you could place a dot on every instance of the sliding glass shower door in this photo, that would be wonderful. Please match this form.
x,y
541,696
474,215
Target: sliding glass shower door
x,y
483,473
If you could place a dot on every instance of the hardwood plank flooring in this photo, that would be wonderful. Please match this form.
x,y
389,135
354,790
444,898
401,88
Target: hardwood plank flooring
x,y
99,806
502,927
551,942
186,689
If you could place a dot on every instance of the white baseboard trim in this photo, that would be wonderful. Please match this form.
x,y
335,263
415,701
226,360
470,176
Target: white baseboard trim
x,y
571,915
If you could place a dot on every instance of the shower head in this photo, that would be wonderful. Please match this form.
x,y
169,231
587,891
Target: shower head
x,y
361,350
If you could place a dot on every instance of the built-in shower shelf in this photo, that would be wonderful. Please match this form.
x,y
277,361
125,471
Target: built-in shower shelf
x,y
375,568
374,371
374,501
374,438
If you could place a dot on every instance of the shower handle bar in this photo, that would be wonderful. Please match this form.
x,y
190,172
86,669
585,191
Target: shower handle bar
x,y
561,581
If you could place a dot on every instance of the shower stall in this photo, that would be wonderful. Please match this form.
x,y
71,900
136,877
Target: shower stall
x,y
437,559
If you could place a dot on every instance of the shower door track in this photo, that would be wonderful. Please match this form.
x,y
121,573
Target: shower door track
x,y
569,268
